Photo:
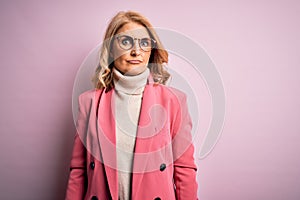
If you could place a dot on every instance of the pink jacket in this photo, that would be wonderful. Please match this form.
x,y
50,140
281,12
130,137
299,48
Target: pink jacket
x,y
163,166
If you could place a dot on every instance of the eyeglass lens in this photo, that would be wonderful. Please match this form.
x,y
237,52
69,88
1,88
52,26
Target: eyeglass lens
x,y
127,42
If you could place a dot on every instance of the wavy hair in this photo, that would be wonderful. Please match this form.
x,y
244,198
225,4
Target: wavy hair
x,y
103,77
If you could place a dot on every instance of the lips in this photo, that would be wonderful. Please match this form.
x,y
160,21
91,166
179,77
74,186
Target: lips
x,y
134,61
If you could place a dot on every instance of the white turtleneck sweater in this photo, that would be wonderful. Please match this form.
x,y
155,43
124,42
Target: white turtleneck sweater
x,y
128,96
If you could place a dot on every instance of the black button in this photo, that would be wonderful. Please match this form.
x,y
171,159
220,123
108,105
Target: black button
x,y
92,165
162,167
157,198
94,198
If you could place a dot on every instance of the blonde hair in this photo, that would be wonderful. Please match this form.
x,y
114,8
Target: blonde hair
x,y
103,77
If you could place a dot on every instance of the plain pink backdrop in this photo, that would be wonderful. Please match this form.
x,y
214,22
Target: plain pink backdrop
x,y
254,44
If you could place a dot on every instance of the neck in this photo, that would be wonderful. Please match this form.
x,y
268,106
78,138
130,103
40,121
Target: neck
x,y
133,84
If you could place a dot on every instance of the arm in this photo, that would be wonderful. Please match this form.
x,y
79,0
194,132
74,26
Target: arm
x,y
183,151
76,183
77,178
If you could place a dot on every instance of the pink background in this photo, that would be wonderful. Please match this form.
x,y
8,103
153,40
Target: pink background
x,y
254,44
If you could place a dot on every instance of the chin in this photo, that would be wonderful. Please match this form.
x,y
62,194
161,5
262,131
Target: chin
x,y
135,70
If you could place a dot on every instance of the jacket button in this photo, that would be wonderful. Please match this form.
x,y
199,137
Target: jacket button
x,y
92,165
162,167
94,198
157,198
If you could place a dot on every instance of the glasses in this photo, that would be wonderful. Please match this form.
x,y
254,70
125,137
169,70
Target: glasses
x,y
126,42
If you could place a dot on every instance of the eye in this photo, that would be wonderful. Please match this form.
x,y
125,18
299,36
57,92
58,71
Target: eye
x,y
126,41
145,42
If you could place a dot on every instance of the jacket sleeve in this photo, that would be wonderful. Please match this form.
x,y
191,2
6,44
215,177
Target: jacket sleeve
x,y
77,179
183,153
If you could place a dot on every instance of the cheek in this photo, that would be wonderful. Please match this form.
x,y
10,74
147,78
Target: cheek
x,y
116,54
119,56
120,62
147,57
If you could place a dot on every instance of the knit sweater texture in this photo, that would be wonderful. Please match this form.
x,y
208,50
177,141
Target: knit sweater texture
x,y
128,98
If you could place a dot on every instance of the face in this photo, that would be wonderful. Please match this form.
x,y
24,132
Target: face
x,y
132,61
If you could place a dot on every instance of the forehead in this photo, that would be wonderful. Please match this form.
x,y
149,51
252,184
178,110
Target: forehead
x,y
133,29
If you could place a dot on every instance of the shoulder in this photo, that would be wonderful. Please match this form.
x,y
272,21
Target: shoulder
x,y
88,97
90,94
170,93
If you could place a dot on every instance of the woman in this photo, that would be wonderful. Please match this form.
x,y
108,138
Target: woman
x,y
133,136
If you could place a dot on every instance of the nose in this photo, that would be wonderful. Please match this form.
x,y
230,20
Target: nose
x,y
136,47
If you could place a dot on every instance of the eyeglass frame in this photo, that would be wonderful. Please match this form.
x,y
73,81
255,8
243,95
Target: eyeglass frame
x,y
139,42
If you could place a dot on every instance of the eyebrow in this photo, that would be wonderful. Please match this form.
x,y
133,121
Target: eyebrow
x,y
119,35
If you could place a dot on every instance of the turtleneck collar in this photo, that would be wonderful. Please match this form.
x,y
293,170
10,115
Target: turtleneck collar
x,y
131,85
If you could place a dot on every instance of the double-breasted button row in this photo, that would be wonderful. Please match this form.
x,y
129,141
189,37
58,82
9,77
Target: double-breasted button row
x,y
162,167
92,165
94,198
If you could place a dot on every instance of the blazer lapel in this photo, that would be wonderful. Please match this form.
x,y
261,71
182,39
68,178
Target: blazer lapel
x,y
107,139
150,123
